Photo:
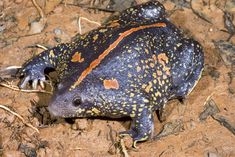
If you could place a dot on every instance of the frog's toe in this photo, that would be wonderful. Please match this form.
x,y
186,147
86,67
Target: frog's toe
x,y
24,81
126,133
34,76
139,138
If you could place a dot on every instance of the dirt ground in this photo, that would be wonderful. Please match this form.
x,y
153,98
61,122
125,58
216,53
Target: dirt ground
x,y
20,31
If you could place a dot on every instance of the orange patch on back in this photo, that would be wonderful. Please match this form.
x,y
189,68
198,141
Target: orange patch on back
x,y
77,57
97,61
111,84
163,59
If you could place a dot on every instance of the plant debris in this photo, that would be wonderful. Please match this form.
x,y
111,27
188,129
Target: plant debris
x,y
170,128
226,51
20,117
224,122
27,150
210,109
199,13
228,24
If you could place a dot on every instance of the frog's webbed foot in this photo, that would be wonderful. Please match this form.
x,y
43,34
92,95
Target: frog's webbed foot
x,y
141,129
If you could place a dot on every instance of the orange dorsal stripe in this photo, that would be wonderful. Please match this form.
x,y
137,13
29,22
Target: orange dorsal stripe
x,y
97,61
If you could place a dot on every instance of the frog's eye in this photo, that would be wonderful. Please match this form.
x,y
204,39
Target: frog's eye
x,y
77,101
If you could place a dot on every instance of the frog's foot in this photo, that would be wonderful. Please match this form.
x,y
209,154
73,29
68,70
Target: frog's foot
x,y
142,128
34,75
136,137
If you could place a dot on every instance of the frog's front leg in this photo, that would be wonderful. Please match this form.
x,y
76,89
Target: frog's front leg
x,y
142,126
33,70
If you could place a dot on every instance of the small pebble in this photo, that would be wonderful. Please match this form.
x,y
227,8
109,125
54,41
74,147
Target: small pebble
x,y
212,154
58,31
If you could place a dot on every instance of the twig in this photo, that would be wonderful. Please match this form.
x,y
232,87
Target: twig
x,y
224,122
20,117
15,88
42,47
123,148
41,13
199,14
208,98
84,18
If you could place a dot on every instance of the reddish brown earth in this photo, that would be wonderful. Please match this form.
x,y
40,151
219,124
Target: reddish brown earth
x,y
92,137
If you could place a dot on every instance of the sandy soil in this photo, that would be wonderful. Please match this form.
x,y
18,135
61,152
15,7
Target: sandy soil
x,y
93,137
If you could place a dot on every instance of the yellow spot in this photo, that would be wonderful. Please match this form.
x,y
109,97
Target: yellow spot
x,y
132,95
95,110
154,75
95,37
138,68
80,110
102,30
155,81
134,107
144,85
88,111
132,115
140,109
146,100
159,81
147,51
159,73
51,54
129,65
147,89
158,94
151,65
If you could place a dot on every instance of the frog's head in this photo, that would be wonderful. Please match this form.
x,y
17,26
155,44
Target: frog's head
x,y
74,102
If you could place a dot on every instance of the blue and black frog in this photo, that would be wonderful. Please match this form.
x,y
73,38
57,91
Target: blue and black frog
x,y
129,67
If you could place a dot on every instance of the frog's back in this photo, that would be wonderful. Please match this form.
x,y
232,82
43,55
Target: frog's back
x,y
134,20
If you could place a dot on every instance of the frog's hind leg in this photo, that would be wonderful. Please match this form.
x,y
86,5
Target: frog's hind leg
x,y
187,68
152,10
141,128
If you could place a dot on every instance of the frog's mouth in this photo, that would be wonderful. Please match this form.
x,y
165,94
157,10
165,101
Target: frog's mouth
x,y
55,112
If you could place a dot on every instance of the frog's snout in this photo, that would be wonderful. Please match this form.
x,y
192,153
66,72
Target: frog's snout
x,y
53,111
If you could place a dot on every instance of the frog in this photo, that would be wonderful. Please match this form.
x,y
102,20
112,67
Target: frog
x,y
130,66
